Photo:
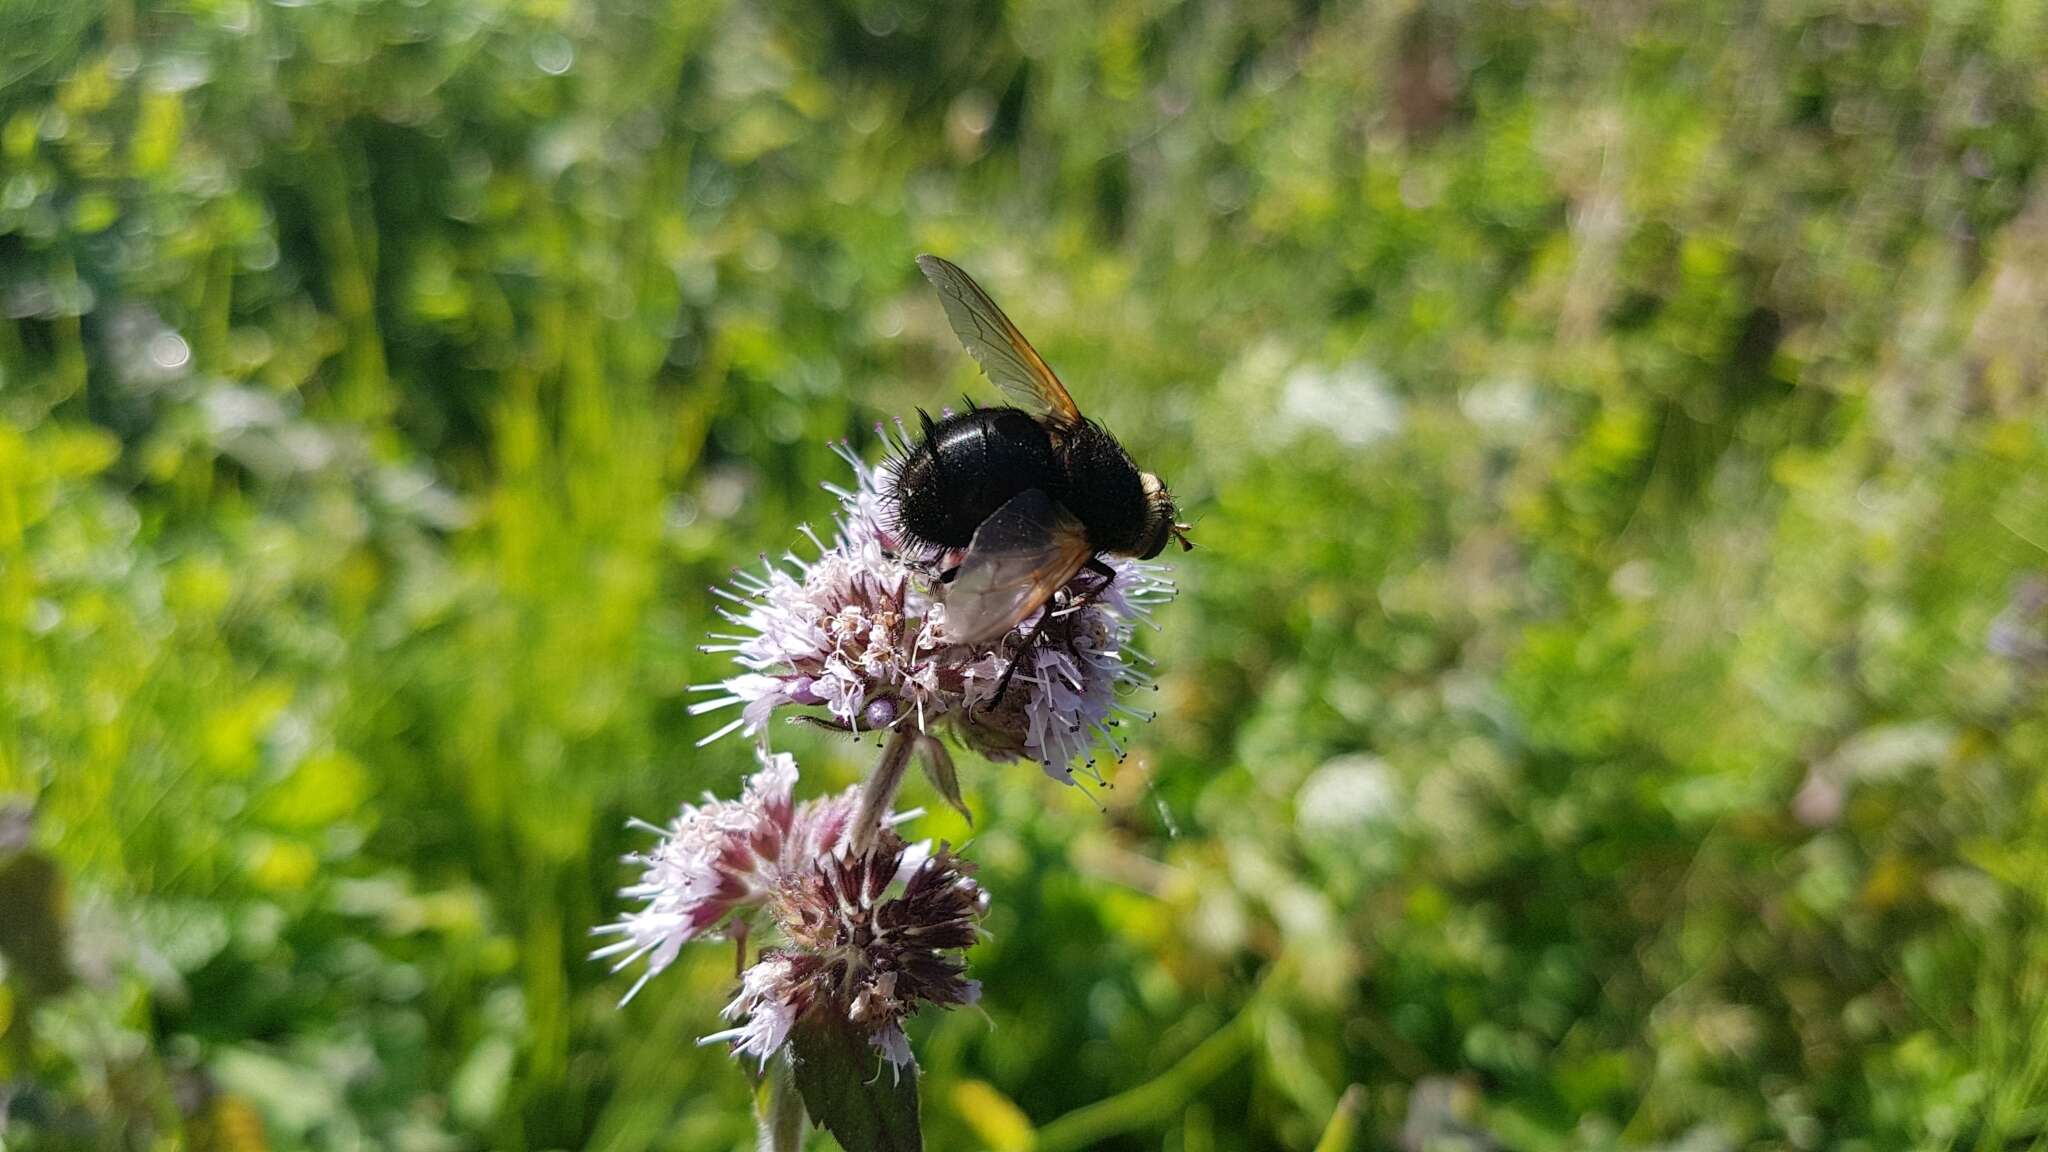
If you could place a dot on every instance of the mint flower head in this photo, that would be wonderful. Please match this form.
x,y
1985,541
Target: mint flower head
x,y
719,861
871,939
859,938
855,639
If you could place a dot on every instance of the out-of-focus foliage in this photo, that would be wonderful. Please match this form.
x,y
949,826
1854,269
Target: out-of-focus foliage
x,y
1606,708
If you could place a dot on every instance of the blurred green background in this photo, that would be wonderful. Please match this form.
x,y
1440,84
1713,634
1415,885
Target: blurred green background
x,y
1606,708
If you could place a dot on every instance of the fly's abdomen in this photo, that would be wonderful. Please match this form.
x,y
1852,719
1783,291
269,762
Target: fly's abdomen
x,y
968,466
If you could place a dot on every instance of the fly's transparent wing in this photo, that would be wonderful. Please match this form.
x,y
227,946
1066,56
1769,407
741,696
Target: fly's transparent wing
x,y
1020,556
1003,352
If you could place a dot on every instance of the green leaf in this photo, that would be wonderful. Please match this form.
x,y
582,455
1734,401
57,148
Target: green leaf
x,y
847,1091
938,768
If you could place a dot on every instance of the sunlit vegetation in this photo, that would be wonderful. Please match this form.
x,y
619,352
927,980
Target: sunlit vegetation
x,y
1605,708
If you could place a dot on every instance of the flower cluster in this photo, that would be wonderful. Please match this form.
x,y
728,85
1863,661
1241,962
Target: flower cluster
x,y
859,634
871,939
865,937
719,860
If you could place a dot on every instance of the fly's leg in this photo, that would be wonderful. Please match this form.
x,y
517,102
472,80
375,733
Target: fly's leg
x,y
1030,642
1082,600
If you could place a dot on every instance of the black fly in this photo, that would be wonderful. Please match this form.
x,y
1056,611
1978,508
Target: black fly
x,y
1033,493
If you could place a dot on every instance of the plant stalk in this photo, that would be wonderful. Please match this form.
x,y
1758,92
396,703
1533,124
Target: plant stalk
x,y
779,1110
879,794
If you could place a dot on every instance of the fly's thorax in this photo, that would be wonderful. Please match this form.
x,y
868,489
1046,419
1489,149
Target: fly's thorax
x,y
1103,489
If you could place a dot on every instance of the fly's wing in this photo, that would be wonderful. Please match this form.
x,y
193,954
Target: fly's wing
x,y
1003,352
1020,556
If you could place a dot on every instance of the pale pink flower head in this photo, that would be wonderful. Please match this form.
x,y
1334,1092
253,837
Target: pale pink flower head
x,y
855,640
719,861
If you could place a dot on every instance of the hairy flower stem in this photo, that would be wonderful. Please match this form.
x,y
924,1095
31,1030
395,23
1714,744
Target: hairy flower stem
x,y
879,792
779,1110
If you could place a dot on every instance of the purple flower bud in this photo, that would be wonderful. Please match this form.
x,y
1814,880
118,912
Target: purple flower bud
x,y
880,713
